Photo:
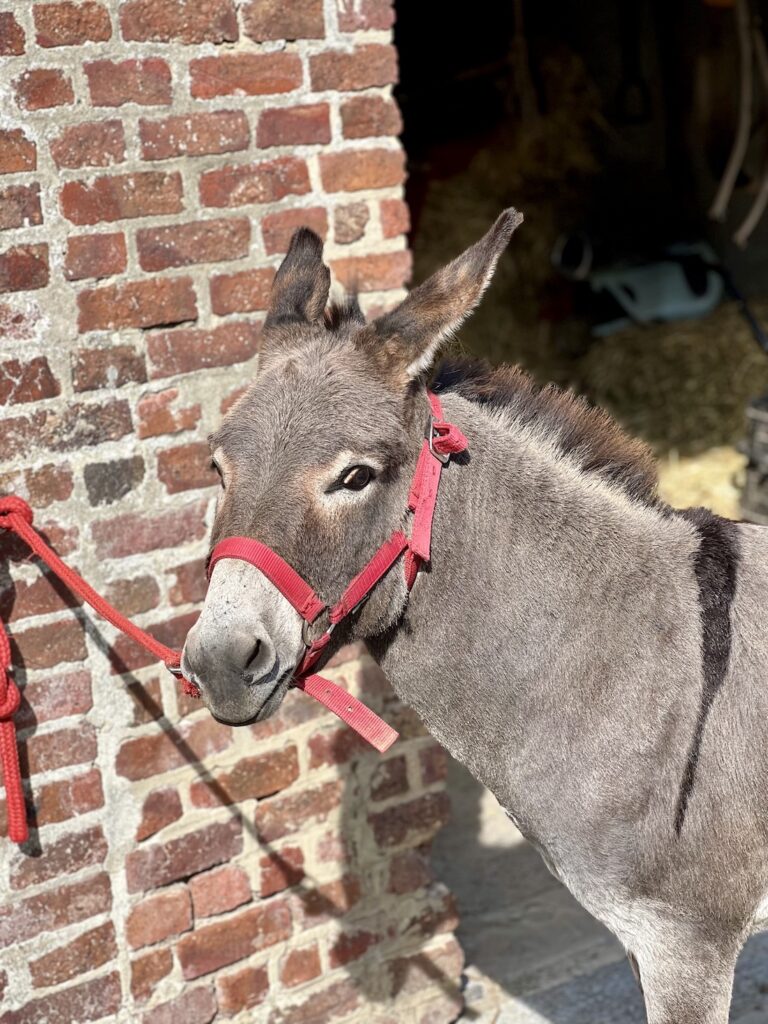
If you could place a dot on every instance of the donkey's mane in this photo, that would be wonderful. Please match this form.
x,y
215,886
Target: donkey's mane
x,y
588,435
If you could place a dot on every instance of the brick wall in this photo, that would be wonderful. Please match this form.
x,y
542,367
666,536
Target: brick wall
x,y
155,156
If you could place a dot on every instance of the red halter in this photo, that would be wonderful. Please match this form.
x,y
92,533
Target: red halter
x,y
442,440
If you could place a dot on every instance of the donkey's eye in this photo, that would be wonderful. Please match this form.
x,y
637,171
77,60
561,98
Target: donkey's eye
x,y
356,478
217,467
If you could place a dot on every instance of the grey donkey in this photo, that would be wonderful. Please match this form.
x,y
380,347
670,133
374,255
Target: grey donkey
x,y
596,658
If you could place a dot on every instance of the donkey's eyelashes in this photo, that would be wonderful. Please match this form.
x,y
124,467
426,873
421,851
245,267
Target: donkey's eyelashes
x,y
353,478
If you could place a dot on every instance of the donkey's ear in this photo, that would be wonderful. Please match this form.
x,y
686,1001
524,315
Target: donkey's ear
x,y
301,284
407,340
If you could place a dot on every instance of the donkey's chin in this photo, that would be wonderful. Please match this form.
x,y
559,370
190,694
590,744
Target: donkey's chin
x,y
258,701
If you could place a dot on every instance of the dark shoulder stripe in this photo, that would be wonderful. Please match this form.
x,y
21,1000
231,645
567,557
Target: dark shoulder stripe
x,y
715,566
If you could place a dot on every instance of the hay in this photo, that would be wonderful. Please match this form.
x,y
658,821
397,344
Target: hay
x,y
713,479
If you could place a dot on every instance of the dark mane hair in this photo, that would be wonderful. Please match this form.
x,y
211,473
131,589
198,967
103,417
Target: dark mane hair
x,y
584,432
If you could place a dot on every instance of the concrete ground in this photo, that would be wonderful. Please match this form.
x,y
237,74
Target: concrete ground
x,y
533,955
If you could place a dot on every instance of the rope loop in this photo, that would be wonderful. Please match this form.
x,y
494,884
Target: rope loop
x,y
11,697
12,505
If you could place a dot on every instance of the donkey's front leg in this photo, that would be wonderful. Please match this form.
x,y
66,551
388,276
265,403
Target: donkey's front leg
x,y
687,983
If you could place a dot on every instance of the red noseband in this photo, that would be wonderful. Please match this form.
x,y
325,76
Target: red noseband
x,y
442,440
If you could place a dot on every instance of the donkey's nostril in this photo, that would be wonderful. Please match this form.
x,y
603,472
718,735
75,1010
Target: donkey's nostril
x,y
252,661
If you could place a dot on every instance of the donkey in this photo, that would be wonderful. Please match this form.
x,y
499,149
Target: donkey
x,y
596,658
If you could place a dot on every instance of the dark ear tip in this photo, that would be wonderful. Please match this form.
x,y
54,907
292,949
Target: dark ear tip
x,y
306,241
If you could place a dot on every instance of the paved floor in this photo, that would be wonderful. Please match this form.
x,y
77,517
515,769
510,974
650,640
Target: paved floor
x,y
533,955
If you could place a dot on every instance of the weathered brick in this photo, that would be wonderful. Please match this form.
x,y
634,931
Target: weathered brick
x,y
349,222
108,482
244,292
146,82
220,890
160,864
147,971
364,116
280,869
300,965
134,533
24,268
244,74
92,1000
271,19
335,1002
95,144
433,762
94,368
252,777
367,14
349,946
160,808
329,901
41,88
417,972
173,352
151,303
217,945
20,207
191,583
77,426
395,217
61,694
255,183
390,779
63,539
334,746
352,170
48,483
363,67
55,908
158,917
133,596
204,241
143,194
146,696
12,39
184,21
285,815
27,382
193,1006
60,749
157,415
127,656
294,126
17,152
242,990
20,599
88,951
159,752
416,820
371,273
95,256
278,228
220,131
186,467
68,798
71,24
46,646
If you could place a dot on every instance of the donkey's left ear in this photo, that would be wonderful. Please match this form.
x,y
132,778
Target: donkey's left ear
x,y
408,340
301,284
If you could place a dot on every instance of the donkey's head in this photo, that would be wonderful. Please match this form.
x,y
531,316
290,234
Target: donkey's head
x,y
315,462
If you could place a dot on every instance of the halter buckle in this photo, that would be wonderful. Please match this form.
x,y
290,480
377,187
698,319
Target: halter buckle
x,y
431,434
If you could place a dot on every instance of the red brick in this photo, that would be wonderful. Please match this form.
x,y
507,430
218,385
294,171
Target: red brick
x,y
242,990
409,871
220,131
434,764
335,1002
150,303
11,36
244,292
205,241
133,596
254,183
127,656
57,696
244,74
330,901
217,945
147,971
183,21
160,864
41,88
45,752
186,468
335,746
159,917
77,426
190,585
367,14
24,268
27,382
395,217
332,848
146,700
71,24
220,890
349,222
273,19
157,415
96,144
161,807
417,972
143,194
300,965
160,752
55,908
288,814
373,273
294,126
108,482
389,779
113,83
363,67
132,533
46,646
418,819
280,869
357,169
94,368
88,951
184,351
47,484
432,919
349,946
95,256
17,152
69,798
251,778
363,116
92,1000
193,1006
278,228
20,207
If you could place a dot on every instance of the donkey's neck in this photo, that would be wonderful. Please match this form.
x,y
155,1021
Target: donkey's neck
x,y
548,586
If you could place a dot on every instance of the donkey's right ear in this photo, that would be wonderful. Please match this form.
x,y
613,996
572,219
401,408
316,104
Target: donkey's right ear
x,y
302,282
